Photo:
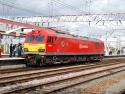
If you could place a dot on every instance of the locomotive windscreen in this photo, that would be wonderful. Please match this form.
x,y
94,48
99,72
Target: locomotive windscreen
x,y
30,38
39,38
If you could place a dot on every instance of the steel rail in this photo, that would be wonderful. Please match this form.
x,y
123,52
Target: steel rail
x,y
37,74
65,76
19,76
59,85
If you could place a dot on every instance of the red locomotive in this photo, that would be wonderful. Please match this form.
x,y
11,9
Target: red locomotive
x,y
48,46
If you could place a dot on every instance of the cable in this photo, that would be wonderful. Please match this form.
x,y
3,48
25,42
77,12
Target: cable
x,y
68,6
12,5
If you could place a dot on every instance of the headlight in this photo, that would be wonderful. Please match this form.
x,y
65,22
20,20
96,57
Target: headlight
x,y
25,49
41,50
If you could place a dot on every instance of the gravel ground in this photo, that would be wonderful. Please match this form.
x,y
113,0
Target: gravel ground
x,y
92,87
96,86
106,85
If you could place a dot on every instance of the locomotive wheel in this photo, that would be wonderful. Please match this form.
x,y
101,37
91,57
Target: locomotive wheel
x,y
37,60
27,64
27,61
101,58
31,62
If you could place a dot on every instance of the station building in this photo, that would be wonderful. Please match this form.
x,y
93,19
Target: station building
x,y
7,39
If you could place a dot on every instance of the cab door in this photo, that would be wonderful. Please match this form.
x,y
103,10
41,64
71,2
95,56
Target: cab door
x,y
51,44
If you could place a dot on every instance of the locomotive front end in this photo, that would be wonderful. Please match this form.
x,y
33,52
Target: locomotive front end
x,y
34,48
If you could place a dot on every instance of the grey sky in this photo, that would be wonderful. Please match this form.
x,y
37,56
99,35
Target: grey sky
x,y
43,7
63,7
60,7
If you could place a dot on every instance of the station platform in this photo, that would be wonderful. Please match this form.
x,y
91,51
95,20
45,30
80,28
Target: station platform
x,y
5,55
6,60
11,58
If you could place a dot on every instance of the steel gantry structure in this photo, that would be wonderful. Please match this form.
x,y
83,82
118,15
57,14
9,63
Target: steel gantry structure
x,y
37,21
116,18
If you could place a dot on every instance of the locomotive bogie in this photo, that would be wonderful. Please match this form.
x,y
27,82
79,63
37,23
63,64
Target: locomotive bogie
x,y
39,60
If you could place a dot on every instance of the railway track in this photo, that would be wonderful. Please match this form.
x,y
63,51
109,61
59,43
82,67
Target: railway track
x,y
30,75
24,69
55,79
21,67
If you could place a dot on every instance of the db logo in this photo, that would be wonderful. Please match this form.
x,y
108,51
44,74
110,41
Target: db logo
x,y
63,44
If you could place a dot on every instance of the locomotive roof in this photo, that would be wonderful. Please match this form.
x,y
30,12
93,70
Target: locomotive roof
x,y
60,33
68,35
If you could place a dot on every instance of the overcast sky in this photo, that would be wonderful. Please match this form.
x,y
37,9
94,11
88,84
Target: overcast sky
x,y
59,7
64,7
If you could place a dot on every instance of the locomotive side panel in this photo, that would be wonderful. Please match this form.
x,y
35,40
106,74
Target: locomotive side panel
x,y
74,46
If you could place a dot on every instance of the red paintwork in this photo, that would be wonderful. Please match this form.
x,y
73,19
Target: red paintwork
x,y
69,45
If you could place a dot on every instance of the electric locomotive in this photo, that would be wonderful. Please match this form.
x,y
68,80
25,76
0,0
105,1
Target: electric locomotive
x,y
50,46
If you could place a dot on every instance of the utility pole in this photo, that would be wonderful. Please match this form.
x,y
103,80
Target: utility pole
x,y
118,42
51,8
88,6
106,44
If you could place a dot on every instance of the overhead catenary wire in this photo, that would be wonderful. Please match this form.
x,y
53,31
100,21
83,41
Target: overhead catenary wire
x,y
15,6
59,6
68,6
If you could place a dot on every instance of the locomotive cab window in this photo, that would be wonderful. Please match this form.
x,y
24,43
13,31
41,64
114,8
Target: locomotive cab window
x,y
55,38
51,39
39,38
97,45
30,38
